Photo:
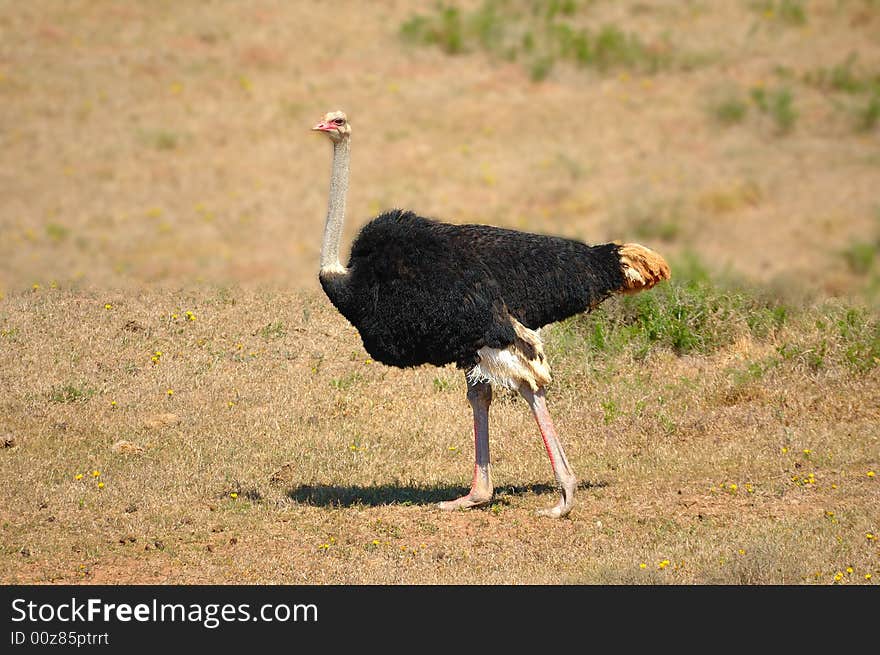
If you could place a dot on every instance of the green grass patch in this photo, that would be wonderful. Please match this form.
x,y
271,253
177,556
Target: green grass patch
x,y
70,392
346,382
787,12
852,88
274,330
540,34
778,105
541,67
729,107
860,255
860,337
698,314
444,29
652,219
845,77
160,139
57,232
868,115
688,315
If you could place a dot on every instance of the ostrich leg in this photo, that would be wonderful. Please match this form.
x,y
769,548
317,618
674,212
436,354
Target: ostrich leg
x,y
562,470
479,396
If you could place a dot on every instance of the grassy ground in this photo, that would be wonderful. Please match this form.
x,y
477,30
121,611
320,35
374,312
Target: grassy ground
x,y
162,334
243,436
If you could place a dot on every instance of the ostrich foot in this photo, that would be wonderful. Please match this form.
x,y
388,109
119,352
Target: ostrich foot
x,y
474,499
566,502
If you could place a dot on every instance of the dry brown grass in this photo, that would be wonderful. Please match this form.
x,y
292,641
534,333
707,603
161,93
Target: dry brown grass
x,y
337,462
168,143
157,159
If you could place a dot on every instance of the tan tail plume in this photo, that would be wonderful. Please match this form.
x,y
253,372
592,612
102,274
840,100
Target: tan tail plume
x,y
642,268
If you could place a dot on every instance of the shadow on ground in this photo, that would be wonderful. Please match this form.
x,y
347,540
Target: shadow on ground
x,y
322,495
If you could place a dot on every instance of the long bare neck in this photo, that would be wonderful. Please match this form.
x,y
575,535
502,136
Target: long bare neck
x,y
336,209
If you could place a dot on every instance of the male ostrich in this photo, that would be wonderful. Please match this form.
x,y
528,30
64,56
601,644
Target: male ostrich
x,y
424,292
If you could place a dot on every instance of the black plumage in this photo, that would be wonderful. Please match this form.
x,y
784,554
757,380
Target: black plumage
x,y
424,292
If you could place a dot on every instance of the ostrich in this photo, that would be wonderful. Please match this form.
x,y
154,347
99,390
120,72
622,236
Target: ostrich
x,y
424,292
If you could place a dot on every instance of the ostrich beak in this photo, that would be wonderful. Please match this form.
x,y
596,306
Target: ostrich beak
x,y
323,126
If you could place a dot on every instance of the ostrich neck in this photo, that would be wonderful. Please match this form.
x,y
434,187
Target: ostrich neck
x,y
336,209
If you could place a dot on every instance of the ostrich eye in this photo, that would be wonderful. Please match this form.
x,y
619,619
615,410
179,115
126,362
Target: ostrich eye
x,y
339,121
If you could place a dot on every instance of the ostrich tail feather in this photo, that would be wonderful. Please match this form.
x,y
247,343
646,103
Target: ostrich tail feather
x,y
642,268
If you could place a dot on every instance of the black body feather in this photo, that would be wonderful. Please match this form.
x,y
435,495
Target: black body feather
x,y
424,292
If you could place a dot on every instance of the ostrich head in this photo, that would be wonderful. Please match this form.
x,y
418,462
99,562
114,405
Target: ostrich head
x,y
335,125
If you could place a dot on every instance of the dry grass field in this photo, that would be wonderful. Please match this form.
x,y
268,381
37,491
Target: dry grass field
x,y
181,404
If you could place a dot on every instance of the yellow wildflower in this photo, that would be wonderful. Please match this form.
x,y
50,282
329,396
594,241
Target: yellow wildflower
x,y
78,476
100,485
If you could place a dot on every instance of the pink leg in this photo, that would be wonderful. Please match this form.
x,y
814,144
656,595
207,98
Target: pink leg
x,y
562,470
479,396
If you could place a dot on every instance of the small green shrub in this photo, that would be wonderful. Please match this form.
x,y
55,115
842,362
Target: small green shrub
x,y
445,30
57,232
730,109
860,255
70,393
540,68
778,105
346,382
861,339
868,116
544,31
274,330
788,12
